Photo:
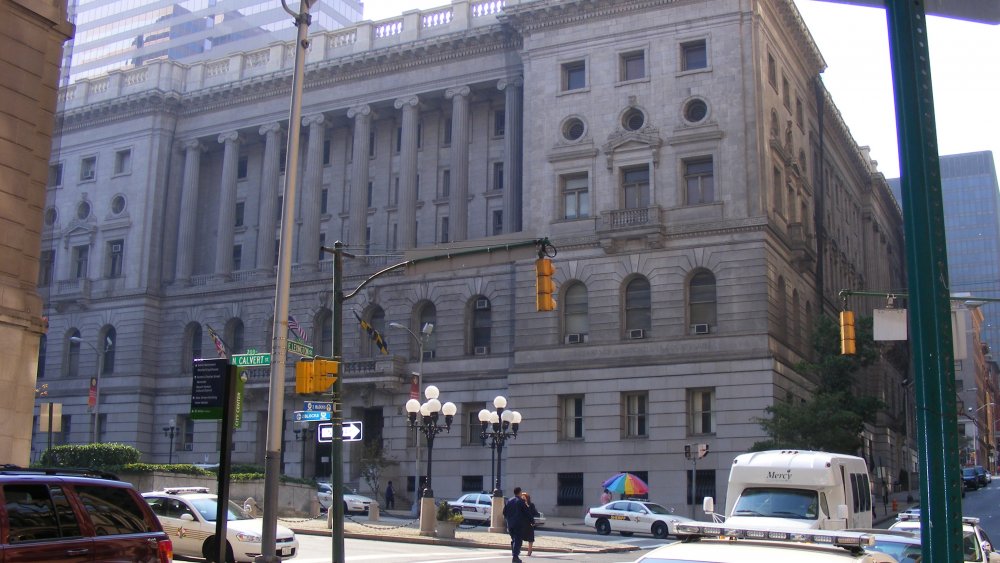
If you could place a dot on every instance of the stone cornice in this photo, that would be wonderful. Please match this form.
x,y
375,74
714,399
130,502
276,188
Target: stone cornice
x,y
119,109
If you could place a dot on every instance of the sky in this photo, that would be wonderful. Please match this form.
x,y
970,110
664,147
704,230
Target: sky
x,y
965,75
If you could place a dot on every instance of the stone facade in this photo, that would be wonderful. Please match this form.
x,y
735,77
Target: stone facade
x,y
706,200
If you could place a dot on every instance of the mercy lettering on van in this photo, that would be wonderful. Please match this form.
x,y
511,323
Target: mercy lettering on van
x,y
775,476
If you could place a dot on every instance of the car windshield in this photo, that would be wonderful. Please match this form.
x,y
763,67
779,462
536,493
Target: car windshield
x,y
968,472
778,503
655,508
208,509
898,550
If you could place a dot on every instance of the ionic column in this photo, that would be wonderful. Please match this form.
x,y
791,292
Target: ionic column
x,y
458,200
227,204
362,116
268,214
407,203
172,212
512,153
189,211
312,185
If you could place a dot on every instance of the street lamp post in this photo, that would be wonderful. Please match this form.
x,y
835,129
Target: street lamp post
x,y
428,424
499,426
170,430
425,334
94,415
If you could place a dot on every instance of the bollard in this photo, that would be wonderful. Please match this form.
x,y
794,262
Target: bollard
x,y
895,505
373,512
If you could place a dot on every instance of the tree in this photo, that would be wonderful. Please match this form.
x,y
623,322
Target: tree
x,y
833,417
373,464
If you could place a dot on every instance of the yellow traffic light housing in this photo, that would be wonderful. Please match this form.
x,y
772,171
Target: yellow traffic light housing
x,y
304,370
544,286
847,340
315,375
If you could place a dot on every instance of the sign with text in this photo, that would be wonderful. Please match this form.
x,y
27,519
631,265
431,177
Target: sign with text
x,y
300,349
317,406
252,358
312,416
207,389
350,431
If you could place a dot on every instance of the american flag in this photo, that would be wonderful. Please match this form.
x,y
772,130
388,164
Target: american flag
x,y
220,345
293,325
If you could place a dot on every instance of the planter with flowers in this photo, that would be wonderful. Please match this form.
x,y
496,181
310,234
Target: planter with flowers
x,y
447,520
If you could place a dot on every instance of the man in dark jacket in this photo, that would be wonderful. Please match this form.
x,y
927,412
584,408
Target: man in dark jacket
x,y
517,516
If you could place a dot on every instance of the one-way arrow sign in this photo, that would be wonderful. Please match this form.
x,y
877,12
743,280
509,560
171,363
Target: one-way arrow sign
x,y
351,431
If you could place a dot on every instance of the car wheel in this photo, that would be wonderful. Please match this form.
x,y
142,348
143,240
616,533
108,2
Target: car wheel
x,y
660,530
345,509
209,550
603,527
626,534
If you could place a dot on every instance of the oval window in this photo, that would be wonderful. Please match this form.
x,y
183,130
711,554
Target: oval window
x,y
573,129
633,120
83,210
118,204
695,110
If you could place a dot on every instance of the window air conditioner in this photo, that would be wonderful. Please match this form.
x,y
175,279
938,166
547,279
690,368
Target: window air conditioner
x,y
482,350
575,338
116,248
636,334
429,354
189,447
88,175
699,328
482,304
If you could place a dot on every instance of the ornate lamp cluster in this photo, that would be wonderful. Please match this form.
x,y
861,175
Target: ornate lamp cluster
x,y
428,423
498,426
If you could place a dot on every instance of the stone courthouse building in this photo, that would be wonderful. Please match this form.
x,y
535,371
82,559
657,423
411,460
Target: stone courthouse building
x,y
704,195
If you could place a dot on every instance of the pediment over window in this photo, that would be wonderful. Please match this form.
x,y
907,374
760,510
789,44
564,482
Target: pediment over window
x,y
628,147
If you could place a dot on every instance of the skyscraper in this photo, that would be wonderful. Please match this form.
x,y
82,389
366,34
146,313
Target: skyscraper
x,y
120,34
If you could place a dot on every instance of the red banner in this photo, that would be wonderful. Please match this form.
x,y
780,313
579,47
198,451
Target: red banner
x,y
415,387
92,397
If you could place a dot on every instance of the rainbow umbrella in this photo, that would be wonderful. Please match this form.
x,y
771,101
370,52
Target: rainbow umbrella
x,y
626,484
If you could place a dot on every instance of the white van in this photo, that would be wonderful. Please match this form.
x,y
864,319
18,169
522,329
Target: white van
x,y
797,489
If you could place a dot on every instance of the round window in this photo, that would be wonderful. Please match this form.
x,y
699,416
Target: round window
x,y
50,216
695,110
573,129
118,204
83,210
633,120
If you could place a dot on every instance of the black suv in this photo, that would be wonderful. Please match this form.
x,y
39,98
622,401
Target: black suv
x,y
74,516
970,478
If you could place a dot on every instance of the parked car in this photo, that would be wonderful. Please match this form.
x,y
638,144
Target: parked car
x,y
72,516
631,516
982,475
717,544
970,479
976,545
478,506
188,515
902,545
352,502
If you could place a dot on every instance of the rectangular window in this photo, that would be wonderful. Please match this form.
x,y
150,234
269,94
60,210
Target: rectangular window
x,y
55,175
394,194
81,258
242,167
785,94
472,483
772,71
371,143
636,410
444,230
576,196
694,55
632,65
237,257
473,428
574,75
701,411
497,222
699,180
447,132
368,240
116,257
798,112
399,139
322,243
569,489
499,118
371,192
326,152
571,417
497,175
88,168
123,161
324,199
278,210
282,157
445,183
46,267
635,187
704,485
239,214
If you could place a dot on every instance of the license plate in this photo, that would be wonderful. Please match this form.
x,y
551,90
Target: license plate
x,y
286,551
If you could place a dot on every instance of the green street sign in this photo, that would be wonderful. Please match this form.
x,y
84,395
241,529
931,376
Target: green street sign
x,y
300,349
251,359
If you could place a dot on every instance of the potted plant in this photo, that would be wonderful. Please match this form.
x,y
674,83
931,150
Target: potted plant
x,y
447,520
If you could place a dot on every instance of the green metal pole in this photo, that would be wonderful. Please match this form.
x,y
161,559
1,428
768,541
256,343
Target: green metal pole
x,y
929,305
337,446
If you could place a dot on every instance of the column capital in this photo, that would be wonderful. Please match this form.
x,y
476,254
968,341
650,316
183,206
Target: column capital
x,y
273,127
457,91
191,145
412,101
364,110
229,137
512,82
314,119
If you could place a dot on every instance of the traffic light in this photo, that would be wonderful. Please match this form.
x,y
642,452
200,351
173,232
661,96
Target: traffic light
x,y
544,286
847,342
315,375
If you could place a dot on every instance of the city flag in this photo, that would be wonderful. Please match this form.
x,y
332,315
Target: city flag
x,y
375,335
296,328
220,346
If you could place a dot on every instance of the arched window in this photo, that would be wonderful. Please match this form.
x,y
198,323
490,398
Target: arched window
x,y
702,302
481,321
797,334
781,302
323,333
192,346
637,308
109,342
428,316
234,336
72,365
575,317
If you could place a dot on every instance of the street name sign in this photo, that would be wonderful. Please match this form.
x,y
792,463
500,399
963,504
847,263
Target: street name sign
x,y
312,416
300,349
351,431
317,406
252,358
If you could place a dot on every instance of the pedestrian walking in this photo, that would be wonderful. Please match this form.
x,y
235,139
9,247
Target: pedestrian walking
x,y
529,530
515,513
605,497
390,496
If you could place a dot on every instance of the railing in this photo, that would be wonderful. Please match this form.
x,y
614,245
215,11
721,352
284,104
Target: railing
x,y
629,218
